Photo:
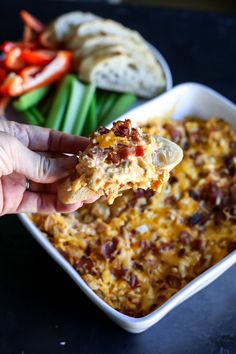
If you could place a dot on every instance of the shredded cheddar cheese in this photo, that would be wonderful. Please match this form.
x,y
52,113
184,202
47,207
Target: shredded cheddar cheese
x,y
138,252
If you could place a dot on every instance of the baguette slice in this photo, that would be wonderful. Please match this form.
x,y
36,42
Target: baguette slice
x,y
63,27
92,44
120,159
116,69
103,28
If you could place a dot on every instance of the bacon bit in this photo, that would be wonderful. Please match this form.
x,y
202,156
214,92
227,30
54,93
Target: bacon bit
x,y
197,244
181,252
185,238
173,281
198,219
124,153
212,194
122,128
113,158
145,246
139,151
119,273
138,266
194,195
171,200
109,247
173,179
166,247
84,266
142,193
102,131
133,281
135,136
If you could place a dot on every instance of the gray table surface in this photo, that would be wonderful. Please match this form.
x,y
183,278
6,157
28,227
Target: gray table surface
x,y
41,309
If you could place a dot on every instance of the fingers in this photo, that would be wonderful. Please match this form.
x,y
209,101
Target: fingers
x,y
43,139
17,157
44,203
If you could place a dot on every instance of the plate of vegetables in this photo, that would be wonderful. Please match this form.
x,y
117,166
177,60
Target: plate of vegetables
x,y
78,72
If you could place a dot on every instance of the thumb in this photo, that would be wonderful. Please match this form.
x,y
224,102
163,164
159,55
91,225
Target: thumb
x,y
34,166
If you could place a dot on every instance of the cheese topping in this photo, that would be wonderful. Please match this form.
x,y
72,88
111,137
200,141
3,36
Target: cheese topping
x,y
138,252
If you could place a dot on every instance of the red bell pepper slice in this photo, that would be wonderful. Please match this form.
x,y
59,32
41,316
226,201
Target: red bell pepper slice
x,y
15,85
30,71
31,21
40,57
13,59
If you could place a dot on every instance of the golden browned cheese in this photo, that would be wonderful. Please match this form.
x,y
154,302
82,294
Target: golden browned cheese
x,y
138,252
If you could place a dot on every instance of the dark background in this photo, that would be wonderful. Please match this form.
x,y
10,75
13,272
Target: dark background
x,y
40,307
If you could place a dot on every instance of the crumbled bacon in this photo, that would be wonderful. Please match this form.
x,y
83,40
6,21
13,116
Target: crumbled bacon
x,y
194,194
184,238
173,281
122,128
181,252
85,265
212,194
135,136
171,200
124,153
119,273
197,244
173,179
102,130
142,193
133,280
109,247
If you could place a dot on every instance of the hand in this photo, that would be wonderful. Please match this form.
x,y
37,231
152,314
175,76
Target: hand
x,y
22,157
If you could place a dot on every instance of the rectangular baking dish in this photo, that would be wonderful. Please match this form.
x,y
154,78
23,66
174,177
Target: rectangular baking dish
x,y
184,99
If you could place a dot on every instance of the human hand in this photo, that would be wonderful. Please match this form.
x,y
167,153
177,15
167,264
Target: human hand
x,y
24,154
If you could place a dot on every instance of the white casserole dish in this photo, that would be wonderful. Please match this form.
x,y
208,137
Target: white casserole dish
x,y
184,99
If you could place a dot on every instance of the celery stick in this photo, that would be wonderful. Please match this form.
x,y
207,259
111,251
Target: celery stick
x,y
45,105
107,104
83,109
30,118
40,118
75,97
101,99
59,103
91,120
31,98
121,105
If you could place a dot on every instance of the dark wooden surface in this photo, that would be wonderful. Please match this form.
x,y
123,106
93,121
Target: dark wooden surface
x,y
41,310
